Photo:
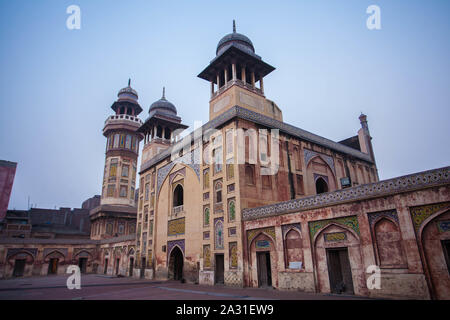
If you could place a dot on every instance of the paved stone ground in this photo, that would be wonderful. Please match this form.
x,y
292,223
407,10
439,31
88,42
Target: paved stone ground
x,y
100,287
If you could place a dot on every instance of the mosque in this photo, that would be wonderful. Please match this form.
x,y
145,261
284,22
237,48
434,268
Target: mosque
x,y
250,200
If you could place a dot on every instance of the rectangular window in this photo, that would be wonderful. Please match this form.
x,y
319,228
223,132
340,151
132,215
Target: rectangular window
x,y
112,170
147,191
229,141
218,160
263,147
123,191
125,169
111,189
116,140
128,142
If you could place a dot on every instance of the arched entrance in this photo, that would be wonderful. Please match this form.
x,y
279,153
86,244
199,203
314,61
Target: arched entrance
x,y
435,243
176,264
337,260
263,259
321,186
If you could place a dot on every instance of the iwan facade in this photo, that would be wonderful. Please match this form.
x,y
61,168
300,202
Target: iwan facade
x,y
192,192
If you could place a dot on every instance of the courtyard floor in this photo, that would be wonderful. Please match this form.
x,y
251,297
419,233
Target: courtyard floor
x,y
101,287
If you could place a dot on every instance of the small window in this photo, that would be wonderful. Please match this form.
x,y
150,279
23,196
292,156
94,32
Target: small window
x,y
123,191
178,196
249,174
125,170
218,192
321,186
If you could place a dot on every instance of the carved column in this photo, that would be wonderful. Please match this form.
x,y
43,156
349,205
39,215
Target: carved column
x,y
261,84
233,69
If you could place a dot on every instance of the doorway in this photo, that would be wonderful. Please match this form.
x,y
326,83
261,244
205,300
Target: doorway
x,y
82,263
117,266
53,266
339,271
19,267
220,269
131,267
143,267
264,269
176,264
105,271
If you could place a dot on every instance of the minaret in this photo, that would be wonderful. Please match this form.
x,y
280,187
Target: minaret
x,y
160,129
236,76
122,149
116,214
365,140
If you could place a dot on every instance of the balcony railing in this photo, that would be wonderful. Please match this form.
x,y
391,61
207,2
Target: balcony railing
x,y
241,84
177,212
117,117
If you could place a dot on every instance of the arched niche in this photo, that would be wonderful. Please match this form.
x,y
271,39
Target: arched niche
x,y
293,248
388,243
317,168
263,261
338,260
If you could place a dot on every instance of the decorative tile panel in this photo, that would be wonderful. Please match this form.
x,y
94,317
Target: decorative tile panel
x,y
207,256
285,228
13,251
192,159
262,244
309,155
351,222
218,234
172,244
233,254
335,236
373,216
251,234
443,226
63,251
176,227
421,213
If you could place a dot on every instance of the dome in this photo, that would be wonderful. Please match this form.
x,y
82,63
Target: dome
x,y
163,105
128,93
235,39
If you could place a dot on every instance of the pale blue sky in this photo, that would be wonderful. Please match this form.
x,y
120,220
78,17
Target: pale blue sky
x,y
57,85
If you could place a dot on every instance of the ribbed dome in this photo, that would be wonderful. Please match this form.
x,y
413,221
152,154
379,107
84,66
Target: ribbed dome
x,y
236,39
163,105
128,93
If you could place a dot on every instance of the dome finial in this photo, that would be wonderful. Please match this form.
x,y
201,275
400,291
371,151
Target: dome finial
x,y
164,93
234,26
129,82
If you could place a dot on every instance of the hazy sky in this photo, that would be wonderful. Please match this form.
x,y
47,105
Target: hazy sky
x,y
57,85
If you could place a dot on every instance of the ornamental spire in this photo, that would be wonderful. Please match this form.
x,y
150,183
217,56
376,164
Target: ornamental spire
x,y
129,82
164,93
234,26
